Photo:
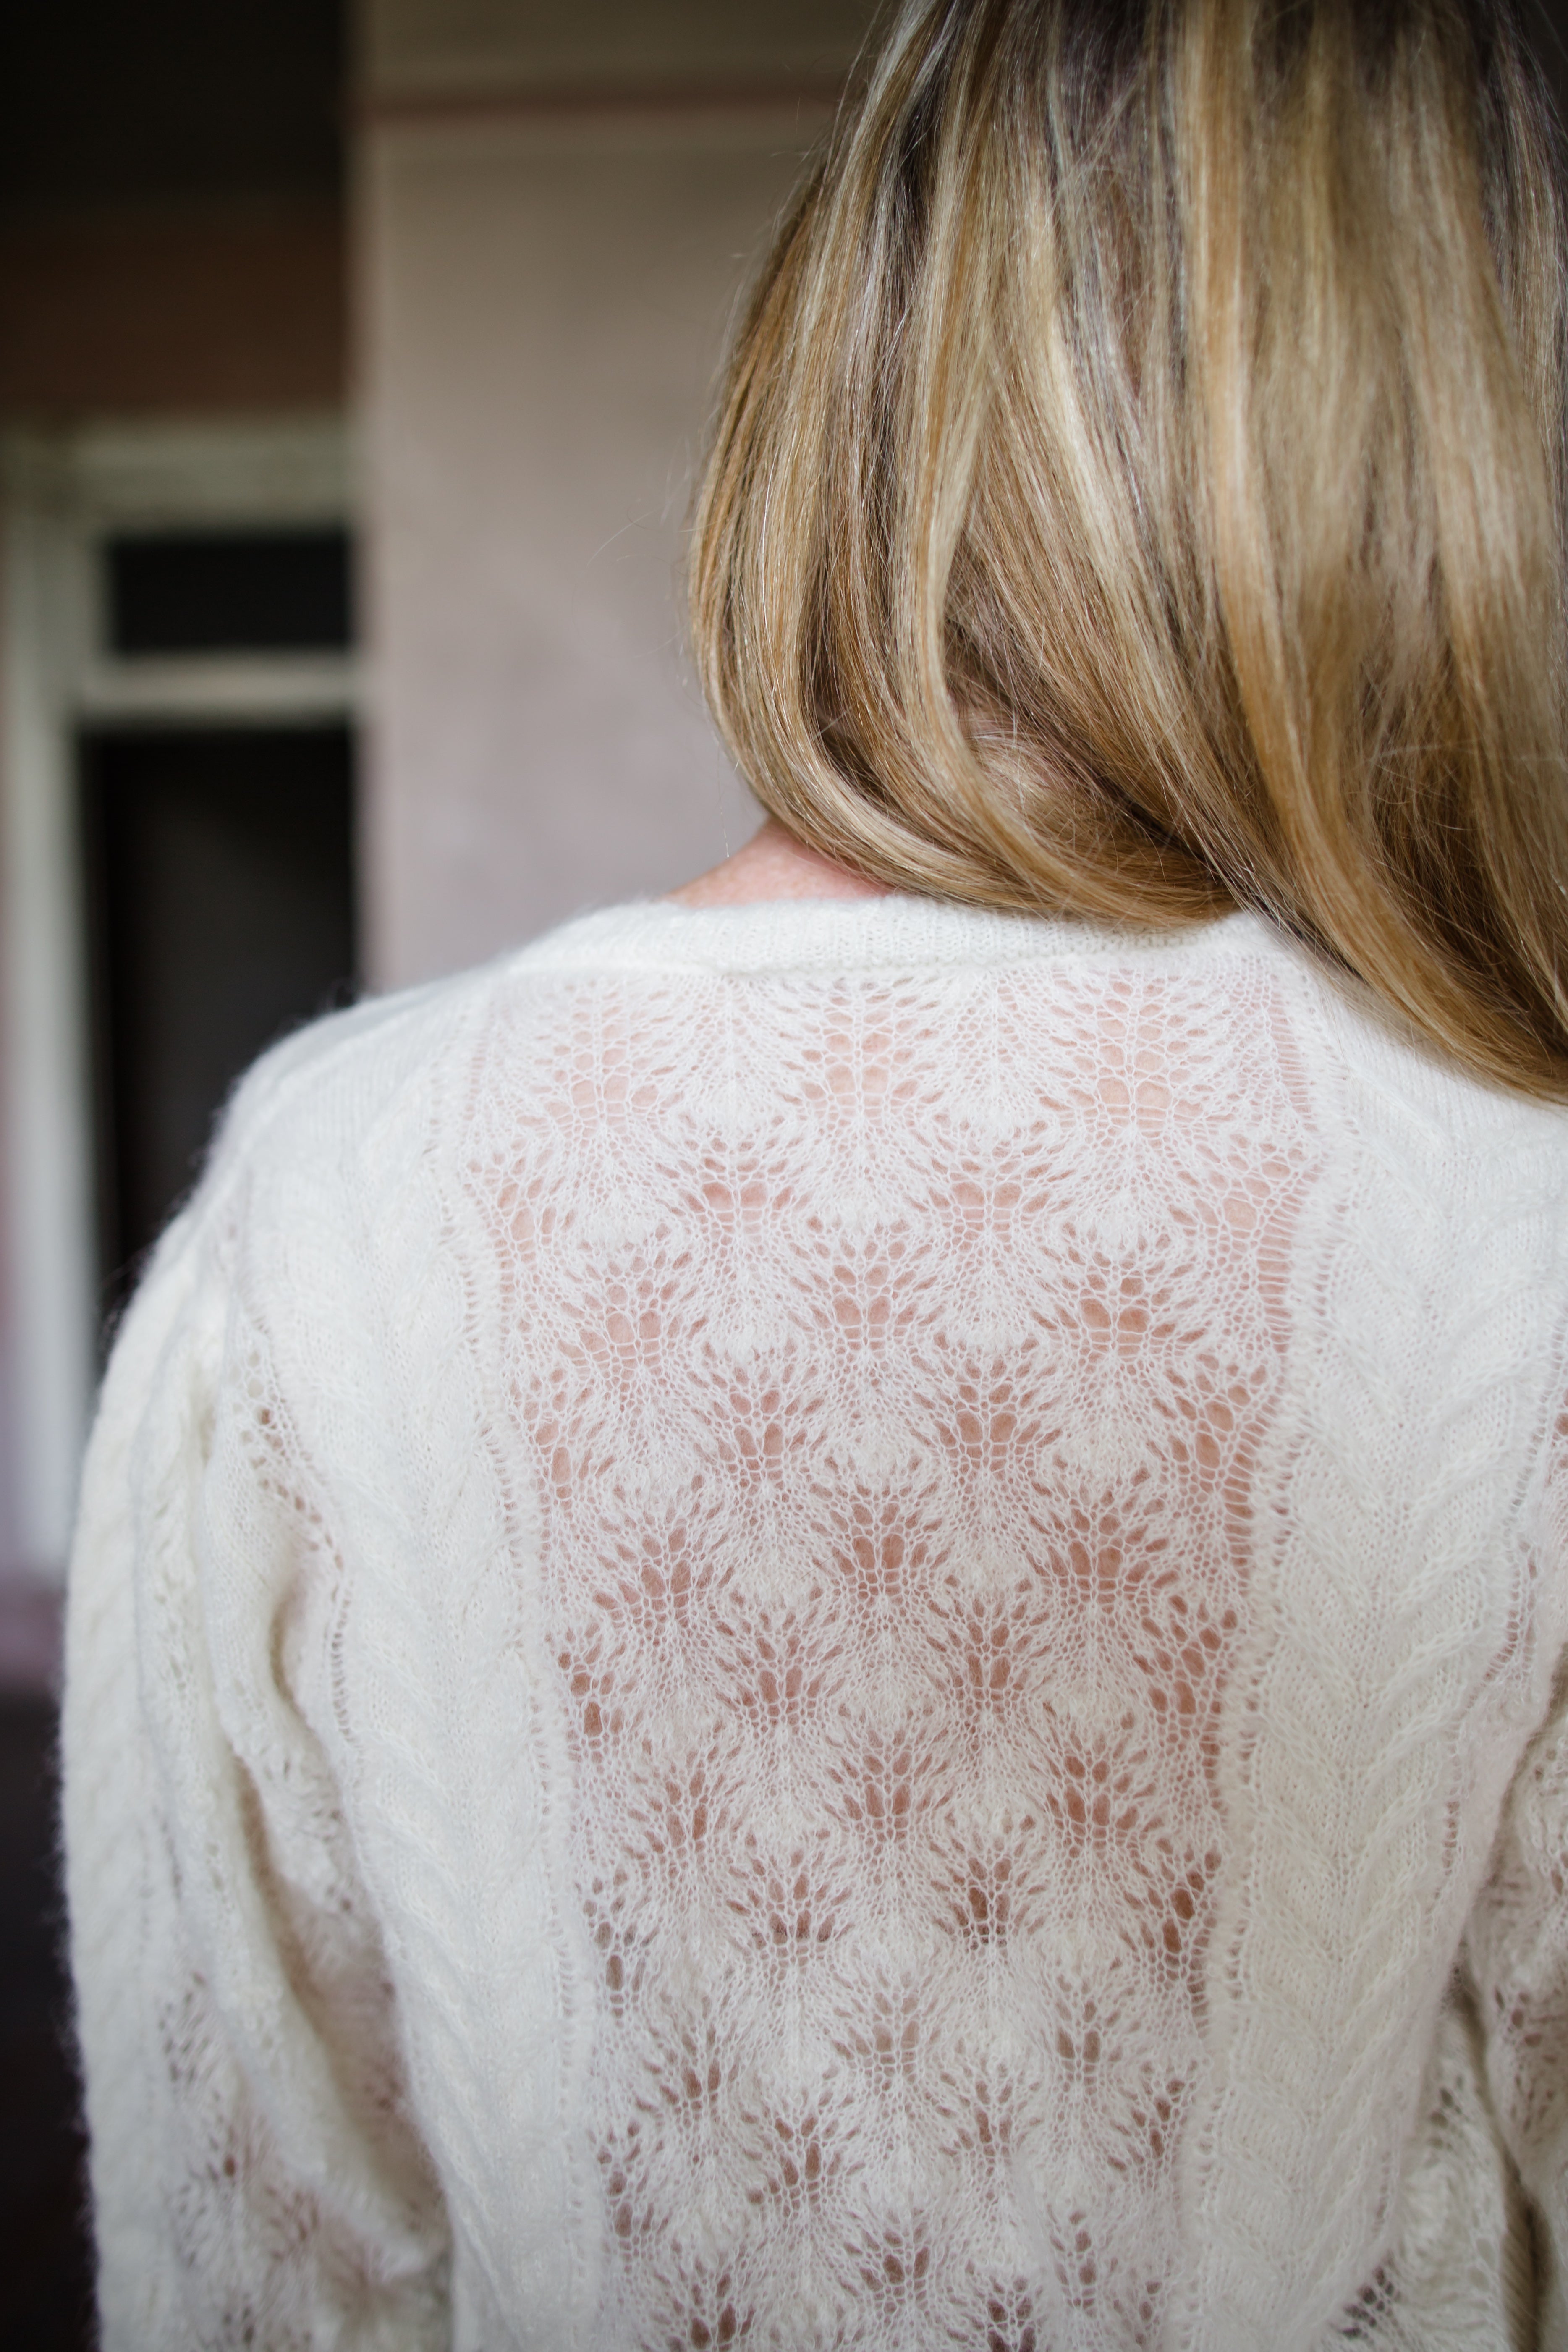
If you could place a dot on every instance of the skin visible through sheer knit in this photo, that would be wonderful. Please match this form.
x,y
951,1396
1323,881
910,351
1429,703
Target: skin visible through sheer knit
x,y
898,1457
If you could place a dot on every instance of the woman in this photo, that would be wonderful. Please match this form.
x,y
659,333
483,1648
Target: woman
x,y
830,1614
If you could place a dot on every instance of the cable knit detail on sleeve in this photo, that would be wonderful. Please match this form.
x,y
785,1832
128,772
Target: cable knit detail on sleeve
x,y
834,1626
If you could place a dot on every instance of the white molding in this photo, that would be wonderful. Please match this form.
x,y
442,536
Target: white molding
x,y
298,469
259,690
48,1188
60,497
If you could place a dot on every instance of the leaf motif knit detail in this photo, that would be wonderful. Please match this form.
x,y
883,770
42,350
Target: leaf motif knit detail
x,y
897,1458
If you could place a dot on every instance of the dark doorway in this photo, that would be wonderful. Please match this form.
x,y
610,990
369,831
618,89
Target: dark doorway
x,y
220,914
45,2267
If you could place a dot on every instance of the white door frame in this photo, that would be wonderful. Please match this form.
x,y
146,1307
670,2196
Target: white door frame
x,y
60,496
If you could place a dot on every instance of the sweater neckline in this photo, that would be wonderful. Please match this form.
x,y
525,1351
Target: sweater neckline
x,y
864,934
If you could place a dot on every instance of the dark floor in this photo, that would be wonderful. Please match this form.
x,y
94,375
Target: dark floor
x,y
45,2295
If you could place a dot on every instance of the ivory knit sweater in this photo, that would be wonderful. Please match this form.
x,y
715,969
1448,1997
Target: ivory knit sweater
x,y
834,1625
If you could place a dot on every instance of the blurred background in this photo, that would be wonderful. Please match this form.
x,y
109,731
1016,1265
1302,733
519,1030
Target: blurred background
x,y
354,369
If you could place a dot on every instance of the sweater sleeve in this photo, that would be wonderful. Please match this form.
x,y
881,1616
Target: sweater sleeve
x,y
255,2177
1516,1947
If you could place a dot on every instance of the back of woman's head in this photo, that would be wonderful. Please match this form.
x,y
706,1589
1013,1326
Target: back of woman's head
x,y
1138,489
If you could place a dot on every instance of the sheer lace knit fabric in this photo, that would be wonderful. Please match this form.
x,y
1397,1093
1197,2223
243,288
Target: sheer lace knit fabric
x,y
836,1627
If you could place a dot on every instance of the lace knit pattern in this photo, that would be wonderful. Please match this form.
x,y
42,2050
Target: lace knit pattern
x,y
908,1558
898,1458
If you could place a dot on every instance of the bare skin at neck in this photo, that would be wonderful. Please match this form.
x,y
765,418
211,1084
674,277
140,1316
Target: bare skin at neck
x,y
773,864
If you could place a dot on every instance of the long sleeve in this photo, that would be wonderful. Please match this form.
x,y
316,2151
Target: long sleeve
x,y
255,2176
1518,1952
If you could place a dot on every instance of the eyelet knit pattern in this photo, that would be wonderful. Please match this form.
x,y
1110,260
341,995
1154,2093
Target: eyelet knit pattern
x,y
835,1626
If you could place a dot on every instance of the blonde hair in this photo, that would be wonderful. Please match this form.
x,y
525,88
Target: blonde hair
x,y
1138,488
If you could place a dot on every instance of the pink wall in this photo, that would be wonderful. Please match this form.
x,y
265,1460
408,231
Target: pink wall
x,y
546,305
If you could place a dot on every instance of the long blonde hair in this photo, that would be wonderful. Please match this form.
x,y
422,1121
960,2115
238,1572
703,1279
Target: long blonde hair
x,y
1138,488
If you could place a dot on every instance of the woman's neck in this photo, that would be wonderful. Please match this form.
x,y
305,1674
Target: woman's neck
x,y
773,864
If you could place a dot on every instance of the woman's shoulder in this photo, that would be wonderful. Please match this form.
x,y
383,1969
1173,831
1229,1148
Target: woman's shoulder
x,y
374,1083
324,1080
